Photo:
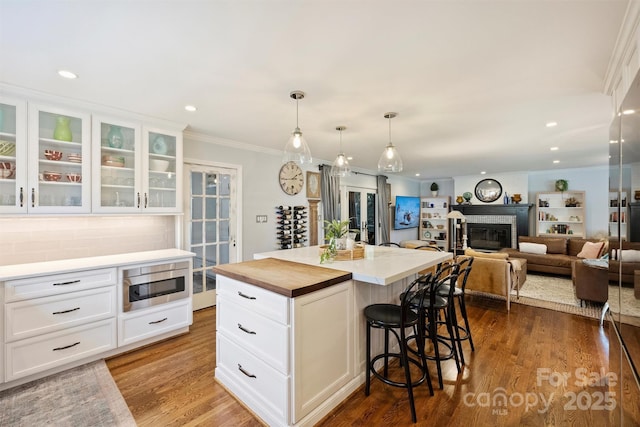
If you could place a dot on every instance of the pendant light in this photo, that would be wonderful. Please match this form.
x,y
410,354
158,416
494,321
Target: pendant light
x,y
297,149
340,165
390,160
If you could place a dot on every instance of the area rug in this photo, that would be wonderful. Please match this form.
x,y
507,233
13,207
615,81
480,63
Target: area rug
x,y
556,293
83,396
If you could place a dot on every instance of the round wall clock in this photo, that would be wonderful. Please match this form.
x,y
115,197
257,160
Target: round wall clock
x,y
291,178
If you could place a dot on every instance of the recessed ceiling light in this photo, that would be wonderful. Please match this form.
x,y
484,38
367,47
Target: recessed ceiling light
x,y
613,141
349,157
417,174
190,108
551,124
627,112
554,148
556,161
483,173
67,74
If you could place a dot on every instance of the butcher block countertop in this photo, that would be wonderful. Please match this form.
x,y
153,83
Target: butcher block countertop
x,y
287,278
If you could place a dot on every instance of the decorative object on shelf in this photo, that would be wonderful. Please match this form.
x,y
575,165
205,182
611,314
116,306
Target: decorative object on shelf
x,y
571,202
459,200
313,185
505,199
467,197
297,150
62,131
340,166
516,198
390,160
291,225
636,195
114,137
159,145
426,235
488,190
562,185
291,178
52,154
434,189
7,148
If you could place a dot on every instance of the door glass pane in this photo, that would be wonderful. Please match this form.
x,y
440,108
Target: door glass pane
x,y
196,207
196,232
225,185
210,232
212,184
211,256
197,282
371,218
211,208
224,253
197,259
224,230
224,208
196,183
354,212
117,171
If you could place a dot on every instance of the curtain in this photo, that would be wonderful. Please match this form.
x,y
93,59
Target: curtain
x,y
330,193
384,200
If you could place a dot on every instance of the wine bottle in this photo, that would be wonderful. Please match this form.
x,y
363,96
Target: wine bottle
x,y
283,207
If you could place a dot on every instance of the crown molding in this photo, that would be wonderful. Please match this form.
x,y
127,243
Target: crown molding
x,y
625,45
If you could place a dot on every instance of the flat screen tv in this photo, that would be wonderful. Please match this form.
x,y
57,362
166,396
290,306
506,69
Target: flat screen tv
x,y
407,212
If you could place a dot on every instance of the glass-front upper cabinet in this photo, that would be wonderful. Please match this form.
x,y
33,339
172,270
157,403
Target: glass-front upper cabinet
x,y
136,169
58,168
163,170
13,155
116,165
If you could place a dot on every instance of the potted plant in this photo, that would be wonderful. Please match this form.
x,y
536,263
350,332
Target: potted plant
x,y
335,233
434,189
562,185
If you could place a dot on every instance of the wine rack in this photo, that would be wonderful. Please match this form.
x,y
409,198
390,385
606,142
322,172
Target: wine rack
x,y
291,226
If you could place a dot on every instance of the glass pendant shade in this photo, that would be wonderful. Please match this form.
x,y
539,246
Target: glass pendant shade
x,y
390,160
297,150
340,166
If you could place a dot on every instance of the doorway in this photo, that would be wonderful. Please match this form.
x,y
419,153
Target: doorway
x,y
361,211
212,227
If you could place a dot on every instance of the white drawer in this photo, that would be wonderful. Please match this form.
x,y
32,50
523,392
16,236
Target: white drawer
x,y
255,333
44,352
255,381
138,325
38,316
41,286
253,298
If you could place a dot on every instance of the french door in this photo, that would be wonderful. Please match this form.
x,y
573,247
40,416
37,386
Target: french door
x,y
212,229
361,211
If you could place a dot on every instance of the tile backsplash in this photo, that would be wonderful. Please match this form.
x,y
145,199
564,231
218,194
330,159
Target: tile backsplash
x,y
34,239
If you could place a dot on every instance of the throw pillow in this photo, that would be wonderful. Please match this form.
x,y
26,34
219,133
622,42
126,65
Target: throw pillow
x,y
533,248
626,255
591,250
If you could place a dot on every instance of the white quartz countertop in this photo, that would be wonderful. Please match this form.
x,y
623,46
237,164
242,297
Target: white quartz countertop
x,y
18,271
381,265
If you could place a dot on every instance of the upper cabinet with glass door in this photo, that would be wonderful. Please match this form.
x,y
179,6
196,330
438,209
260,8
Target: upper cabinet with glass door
x,y
58,168
135,169
13,155
162,188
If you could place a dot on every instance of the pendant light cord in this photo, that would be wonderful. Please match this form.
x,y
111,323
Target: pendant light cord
x,y
389,129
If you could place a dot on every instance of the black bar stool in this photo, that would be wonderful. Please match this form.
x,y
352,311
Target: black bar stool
x,y
441,311
396,319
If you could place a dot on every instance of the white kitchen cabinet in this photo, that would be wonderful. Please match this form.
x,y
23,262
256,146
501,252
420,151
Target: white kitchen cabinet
x,y
138,325
136,168
58,184
13,155
56,319
282,356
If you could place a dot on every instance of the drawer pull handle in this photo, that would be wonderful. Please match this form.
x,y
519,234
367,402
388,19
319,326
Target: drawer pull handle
x,y
66,311
245,372
67,346
245,296
243,329
67,283
157,321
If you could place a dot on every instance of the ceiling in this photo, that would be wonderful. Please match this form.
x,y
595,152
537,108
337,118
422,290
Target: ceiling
x,y
474,82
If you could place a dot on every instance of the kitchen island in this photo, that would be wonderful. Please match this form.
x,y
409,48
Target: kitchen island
x,y
290,331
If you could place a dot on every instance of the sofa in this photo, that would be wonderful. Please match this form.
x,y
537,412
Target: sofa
x,y
560,253
628,267
495,273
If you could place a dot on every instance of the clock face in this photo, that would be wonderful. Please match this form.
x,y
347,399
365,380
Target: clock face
x,y
291,178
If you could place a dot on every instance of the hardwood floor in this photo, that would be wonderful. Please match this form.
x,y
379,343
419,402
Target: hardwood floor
x,y
171,383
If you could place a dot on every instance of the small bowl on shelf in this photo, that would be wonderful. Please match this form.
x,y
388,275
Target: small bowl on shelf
x,y
7,165
52,154
158,165
440,226
113,161
52,176
74,157
6,173
7,148
74,177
